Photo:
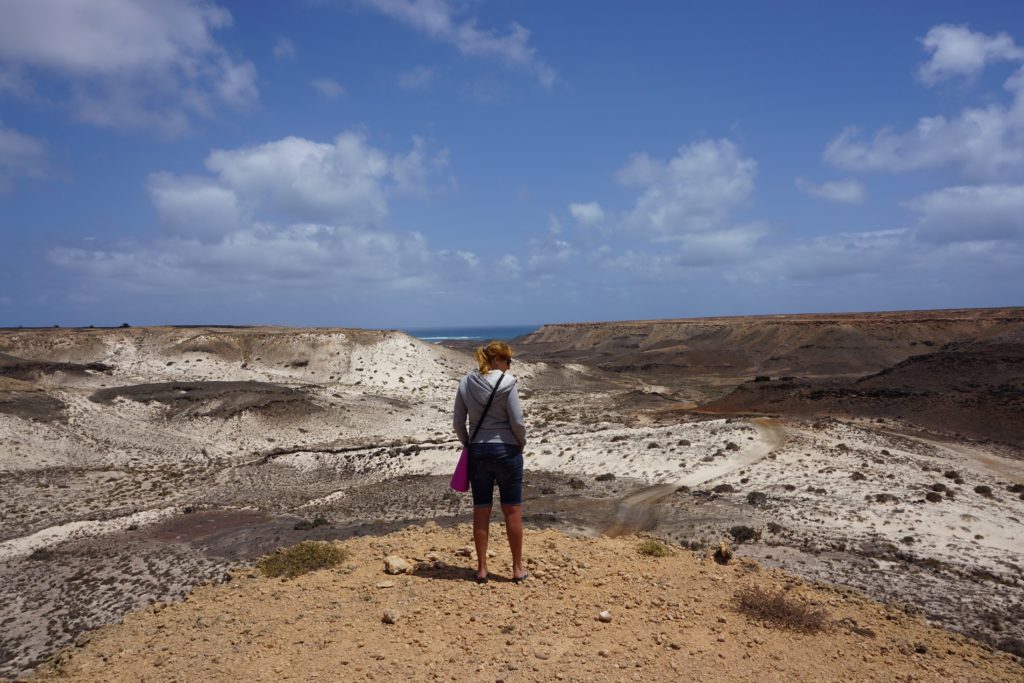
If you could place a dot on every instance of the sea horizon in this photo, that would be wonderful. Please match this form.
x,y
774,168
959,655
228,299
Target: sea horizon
x,y
465,333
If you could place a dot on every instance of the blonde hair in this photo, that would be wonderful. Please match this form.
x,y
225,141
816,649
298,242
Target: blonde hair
x,y
487,354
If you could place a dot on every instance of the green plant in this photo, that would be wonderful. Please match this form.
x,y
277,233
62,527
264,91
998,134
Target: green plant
x,y
780,609
653,548
303,558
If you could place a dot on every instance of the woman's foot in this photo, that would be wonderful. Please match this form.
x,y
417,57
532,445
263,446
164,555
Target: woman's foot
x,y
520,578
480,579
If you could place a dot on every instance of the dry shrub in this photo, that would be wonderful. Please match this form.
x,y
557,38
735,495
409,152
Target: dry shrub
x,y
654,548
781,609
303,558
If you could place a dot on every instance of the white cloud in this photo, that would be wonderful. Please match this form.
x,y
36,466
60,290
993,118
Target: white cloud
x,y
958,51
144,63
437,19
693,191
842,191
344,181
546,255
509,266
417,78
284,48
251,225
328,88
20,155
985,142
194,206
971,214
590,213
329,258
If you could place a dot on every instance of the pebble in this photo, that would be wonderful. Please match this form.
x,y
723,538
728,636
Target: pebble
x,y
390,616
605,616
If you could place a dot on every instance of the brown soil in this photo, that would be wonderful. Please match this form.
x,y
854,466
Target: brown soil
x,y
974,390
738,348
671,618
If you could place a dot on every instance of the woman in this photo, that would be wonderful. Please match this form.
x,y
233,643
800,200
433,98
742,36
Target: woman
x,y
496,451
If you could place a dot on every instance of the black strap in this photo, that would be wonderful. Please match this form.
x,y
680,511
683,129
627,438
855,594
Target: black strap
x,y
486,408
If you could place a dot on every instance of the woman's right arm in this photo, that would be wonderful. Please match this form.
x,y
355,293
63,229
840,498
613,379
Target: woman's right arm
x,y
459,420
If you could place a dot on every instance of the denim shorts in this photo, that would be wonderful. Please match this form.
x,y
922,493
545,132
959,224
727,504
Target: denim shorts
x,y
496,463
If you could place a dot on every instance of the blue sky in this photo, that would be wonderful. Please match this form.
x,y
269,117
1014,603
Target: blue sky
x,y
397,163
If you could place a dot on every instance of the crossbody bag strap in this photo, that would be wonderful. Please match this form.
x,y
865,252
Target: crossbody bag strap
x,y
486,408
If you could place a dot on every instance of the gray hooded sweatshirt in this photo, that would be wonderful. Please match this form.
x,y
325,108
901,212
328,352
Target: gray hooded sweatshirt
x,y
504,420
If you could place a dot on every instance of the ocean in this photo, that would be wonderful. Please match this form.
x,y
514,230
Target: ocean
x,y
437,334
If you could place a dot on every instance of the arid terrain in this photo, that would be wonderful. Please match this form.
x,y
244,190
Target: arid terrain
x,y
139,463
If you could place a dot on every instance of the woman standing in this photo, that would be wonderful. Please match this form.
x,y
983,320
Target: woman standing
x,y
488,397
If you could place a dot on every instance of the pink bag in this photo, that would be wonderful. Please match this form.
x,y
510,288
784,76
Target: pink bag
x,y
460,480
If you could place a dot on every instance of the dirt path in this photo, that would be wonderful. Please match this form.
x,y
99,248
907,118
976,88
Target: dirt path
x,y
637,511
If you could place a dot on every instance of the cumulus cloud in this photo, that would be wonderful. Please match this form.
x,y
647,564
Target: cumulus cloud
x,y
291,212
20,156
302,255
971,214
842,191
958,51
438,20
194,206
693,191
417,78
346,180
146,63
284,48
328,88
590,213
985,142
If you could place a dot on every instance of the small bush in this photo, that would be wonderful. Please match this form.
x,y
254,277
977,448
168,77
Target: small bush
x,y
932,497
607,476
744,533
654,548
983,490
781,610
303,558
724,488
757,498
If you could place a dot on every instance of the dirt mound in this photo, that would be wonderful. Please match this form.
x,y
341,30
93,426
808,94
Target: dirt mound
x,y
592,609
827,345
29,370
31,405
975,389
213,399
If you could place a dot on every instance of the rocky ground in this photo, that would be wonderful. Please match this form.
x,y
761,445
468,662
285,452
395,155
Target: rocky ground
x,y
592,609
138,464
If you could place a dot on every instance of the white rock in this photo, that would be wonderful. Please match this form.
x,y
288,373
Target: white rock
x,y
605,616
393,564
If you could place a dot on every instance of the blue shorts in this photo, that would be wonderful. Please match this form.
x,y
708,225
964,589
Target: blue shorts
x,y
496,463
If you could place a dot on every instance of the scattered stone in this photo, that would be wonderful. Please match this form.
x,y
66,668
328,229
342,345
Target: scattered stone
x,y
386,584
390,616
723,555
605,616
393,564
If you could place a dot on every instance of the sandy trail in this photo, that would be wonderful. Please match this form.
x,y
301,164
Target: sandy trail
x,y
638,510
987,462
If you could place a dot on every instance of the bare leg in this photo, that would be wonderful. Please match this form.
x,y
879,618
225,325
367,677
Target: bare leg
x,y
481,528
514,529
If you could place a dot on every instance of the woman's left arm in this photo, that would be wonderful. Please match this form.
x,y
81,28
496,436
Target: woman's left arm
x,y
515,416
